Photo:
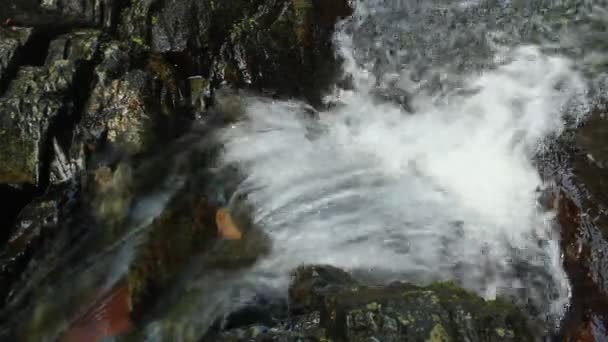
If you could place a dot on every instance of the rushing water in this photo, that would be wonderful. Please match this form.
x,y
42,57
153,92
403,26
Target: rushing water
x,y
444,187
421,168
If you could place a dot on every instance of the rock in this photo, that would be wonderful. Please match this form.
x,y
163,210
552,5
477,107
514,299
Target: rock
x,y
112,194
279,46
96,12
38,221
577,164
310,283
289,53
117,112
184,229
133,112
67,162
395,95
99,112
80,45
332,306
300,328
35,100
30,106
11,44
200,92
54,14
149,239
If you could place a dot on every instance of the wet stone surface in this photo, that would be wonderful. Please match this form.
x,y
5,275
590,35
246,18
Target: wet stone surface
x,y
328,305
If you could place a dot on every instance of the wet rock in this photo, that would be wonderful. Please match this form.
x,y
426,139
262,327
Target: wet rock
x,y
395,95
577,165
11,41
94,113
333,306
200,92
309,284
179,26
279,46
31,104
286,47
68,162
127,113
38,221
80,45
115,60
112,193
35,100
131,112
589,186
184,229
97,12
116,110
300,328
53,14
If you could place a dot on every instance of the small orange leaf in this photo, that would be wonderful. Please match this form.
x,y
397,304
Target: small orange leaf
x,y
226,228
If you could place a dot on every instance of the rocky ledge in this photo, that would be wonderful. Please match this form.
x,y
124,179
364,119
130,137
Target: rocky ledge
x,y
95,98
327,304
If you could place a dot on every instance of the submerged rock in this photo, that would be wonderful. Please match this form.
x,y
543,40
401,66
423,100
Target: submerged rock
x,y
329,305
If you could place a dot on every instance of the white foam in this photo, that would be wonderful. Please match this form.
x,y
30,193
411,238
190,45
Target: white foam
x,y
449,192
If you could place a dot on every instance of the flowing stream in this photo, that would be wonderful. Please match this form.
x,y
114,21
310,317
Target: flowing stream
x,y
424,167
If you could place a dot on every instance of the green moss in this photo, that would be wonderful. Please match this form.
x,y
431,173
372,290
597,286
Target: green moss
x,y
303,23
139,41
373,306
502,333
243,27
438,334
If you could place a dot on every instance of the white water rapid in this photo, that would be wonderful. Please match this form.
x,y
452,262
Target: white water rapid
x,y
448,192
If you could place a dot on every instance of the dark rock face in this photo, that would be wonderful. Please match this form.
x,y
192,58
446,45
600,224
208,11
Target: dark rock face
x,y
577,162
59,13
30,106
11,43
38,98
105,105
278,46
33,223
134,73
328,305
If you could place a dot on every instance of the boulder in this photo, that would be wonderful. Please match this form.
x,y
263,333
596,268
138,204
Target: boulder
x,y
130,112
329,305
37,99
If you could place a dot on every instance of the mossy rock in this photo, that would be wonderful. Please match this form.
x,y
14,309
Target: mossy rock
x,y
29,107
336,307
